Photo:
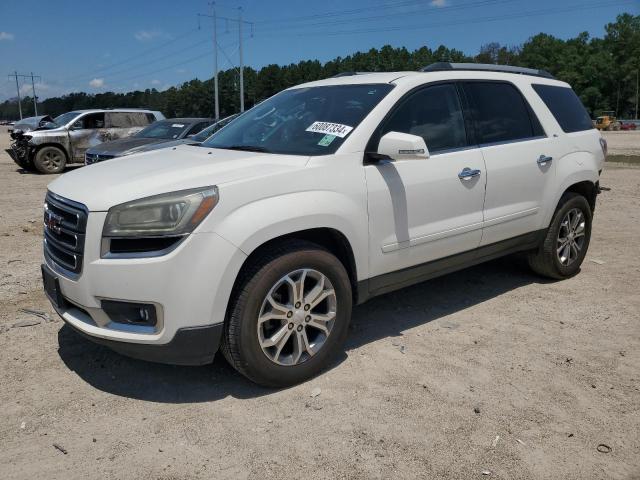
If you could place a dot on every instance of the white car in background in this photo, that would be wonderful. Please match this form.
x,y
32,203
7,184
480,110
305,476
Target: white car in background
x,y
260,240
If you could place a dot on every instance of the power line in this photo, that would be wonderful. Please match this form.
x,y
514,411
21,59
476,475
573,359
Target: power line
x,y
570,8
422,11
342,13
138,55
189,60
150,62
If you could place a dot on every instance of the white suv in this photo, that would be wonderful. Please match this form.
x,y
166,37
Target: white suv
x,y
260,240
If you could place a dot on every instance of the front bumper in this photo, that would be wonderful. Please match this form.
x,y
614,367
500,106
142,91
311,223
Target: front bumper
x,y
189,286
189,346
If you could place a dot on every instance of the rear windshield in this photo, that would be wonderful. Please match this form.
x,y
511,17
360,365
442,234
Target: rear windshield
x,y
301,121
566,107
165,129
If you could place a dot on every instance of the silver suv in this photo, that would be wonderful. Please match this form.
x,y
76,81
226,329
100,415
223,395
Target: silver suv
x,y
53,144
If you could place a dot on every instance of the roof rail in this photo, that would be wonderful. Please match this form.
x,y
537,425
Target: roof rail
x,y
485,67
347,74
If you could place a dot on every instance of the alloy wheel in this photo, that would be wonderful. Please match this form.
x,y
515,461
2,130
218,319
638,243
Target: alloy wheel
x,y
571,237
297,317
52,159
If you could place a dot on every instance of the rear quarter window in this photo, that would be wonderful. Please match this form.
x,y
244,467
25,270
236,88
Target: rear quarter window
x,y
565,106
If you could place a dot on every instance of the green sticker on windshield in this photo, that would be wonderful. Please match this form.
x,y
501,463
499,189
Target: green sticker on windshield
x,y
326,140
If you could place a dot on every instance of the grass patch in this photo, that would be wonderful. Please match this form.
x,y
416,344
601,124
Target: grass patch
x,y
628,159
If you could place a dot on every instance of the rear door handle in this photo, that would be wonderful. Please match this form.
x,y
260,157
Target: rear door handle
x,y
544,159
468,173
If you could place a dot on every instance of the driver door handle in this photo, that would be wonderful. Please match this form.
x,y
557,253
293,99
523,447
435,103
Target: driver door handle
x,y
468,173
544,159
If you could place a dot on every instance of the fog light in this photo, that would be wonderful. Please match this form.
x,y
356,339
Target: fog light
x,y
130,313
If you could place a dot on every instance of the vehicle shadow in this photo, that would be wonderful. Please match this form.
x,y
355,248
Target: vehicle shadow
x,y
68,168
382,317
23,171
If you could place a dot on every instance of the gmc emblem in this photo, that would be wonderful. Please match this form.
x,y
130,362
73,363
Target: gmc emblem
x,y
52,221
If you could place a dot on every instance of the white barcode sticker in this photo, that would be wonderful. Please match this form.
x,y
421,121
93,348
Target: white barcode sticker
x,y
177,125
328,128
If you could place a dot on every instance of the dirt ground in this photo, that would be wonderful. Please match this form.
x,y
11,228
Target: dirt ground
x,y
491,369
623,143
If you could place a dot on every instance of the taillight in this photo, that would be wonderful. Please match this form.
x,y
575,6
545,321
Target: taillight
x,y
603,145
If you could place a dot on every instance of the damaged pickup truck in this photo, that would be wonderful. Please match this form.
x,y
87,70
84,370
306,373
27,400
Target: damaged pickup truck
x,y
54,143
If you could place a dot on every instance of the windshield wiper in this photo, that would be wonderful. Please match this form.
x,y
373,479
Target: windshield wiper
x,y
247,148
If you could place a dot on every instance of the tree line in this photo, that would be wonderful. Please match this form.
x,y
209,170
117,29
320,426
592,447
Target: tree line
x,y
603,71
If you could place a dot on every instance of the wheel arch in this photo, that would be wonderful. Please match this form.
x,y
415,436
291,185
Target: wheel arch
x,y
329,238
576,173
36,148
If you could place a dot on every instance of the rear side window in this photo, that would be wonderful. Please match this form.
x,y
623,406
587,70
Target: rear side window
x,y
198,127
433,113
566,107
90,121
501,113
126,119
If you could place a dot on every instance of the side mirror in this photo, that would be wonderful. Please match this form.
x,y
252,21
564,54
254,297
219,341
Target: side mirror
x,y
403,146
77,126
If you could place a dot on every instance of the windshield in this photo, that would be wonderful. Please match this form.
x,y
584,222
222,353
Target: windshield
x,y
165,129
301,121
211,129
61,120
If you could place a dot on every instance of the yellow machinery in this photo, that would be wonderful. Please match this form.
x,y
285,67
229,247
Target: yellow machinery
x,y
607,121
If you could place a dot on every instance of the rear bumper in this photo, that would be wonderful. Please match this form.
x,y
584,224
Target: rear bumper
x,y
189,346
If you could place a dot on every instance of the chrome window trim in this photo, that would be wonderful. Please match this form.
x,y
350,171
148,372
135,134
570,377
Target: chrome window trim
x,y
509,142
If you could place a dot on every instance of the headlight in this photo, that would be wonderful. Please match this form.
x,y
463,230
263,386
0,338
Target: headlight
x,y
176,213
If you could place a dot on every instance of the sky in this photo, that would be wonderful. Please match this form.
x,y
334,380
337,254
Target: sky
x,y
124,45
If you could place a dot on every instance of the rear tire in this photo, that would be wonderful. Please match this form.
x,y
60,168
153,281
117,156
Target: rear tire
x,y
50,160
567,240
275,298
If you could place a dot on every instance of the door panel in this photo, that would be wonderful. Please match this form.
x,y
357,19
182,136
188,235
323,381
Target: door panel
x,y
419,210
86,132
517,186
422,210
512,142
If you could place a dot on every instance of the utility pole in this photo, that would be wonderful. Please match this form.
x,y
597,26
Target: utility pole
x,y
35,99
215,62
240,23
241,66
33,87
637,94
15,75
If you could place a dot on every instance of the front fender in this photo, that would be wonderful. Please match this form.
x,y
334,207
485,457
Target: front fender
x,y
256,223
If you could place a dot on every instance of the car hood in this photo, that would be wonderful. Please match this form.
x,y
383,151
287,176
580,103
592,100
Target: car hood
x,y
105,184
124,146
163,144
32,123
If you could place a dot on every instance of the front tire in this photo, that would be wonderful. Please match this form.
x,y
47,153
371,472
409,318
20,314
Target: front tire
x,y
567,239
289,314
50,160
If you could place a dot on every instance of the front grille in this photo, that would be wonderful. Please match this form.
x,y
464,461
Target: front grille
x,y
90,158
65,225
